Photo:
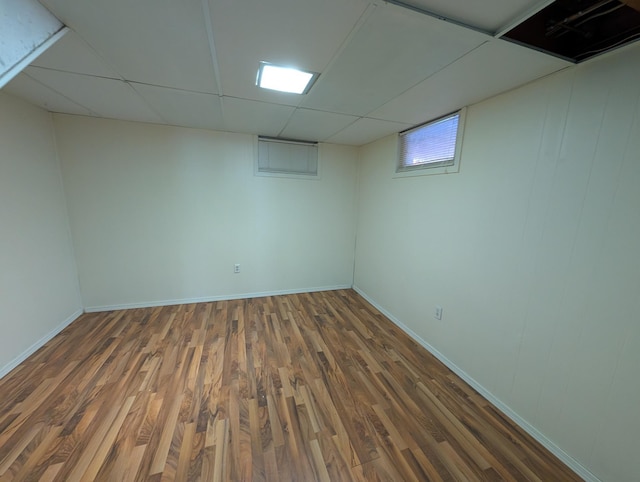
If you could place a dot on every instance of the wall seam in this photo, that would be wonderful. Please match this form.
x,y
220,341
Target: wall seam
x,y
66,212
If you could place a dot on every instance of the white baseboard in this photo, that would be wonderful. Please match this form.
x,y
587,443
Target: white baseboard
x,y
38,344
569,461
208,299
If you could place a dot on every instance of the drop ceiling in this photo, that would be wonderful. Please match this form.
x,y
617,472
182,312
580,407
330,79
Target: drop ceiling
x,y
383,67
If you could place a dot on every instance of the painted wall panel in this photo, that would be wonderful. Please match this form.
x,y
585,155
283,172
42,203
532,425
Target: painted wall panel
x,y
38,281
161,214
532,251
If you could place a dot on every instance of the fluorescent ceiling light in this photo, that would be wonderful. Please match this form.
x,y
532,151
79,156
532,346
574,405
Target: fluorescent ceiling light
x,y
284,79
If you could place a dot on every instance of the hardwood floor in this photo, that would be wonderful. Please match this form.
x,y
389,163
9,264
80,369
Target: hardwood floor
x,y
305,387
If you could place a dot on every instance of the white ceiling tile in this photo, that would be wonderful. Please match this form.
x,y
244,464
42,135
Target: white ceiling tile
x,y
242,115
161,42
314,125
105,97
494,67
366,130
72,54
394,50
26,26
182,107
29,89
289,32
488,15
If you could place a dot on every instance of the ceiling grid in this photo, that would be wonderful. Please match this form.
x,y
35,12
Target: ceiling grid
x,y
383,67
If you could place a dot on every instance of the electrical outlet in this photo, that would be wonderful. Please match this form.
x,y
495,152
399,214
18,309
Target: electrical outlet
x,y
236,268
437,313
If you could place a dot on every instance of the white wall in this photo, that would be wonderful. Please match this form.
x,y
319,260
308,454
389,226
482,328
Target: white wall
x,y
161,214
38,282
533,252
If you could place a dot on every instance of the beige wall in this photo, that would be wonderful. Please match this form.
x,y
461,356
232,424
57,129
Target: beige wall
x,y
161,214
38,283
532,251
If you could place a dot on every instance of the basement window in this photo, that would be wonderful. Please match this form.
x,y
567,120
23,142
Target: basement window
x,y
431,148
287,158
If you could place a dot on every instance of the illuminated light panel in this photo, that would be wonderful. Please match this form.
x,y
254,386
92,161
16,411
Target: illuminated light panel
x,y
284,79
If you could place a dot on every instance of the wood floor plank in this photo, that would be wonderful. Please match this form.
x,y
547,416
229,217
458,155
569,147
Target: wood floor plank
x,y
312,386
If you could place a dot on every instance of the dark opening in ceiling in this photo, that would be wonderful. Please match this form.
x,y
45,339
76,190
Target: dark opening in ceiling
x,y
580,29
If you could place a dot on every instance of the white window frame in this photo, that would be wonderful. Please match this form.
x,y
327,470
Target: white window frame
x,y
427,169
285,174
